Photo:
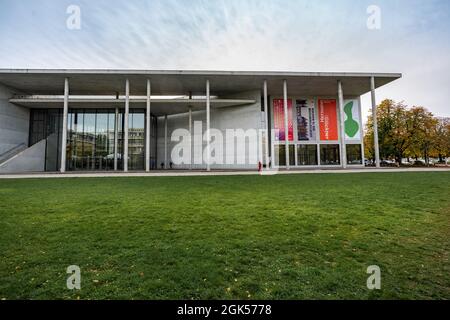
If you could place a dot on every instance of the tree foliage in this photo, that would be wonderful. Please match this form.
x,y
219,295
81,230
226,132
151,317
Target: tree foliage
x,y
407,132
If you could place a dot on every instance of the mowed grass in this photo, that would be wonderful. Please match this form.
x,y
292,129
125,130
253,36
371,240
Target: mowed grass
x,y
303,236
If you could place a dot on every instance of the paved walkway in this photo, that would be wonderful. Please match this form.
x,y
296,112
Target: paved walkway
x,y
189,173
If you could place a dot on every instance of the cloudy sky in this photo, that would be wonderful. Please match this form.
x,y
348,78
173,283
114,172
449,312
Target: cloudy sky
x,y
281,35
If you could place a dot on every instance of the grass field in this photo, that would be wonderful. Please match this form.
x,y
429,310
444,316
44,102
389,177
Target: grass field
x,y
247,237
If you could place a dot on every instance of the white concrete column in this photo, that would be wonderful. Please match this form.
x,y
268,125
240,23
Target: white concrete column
x,y
286,123
64,129
125,125
190,136
375,122
208,102
165,142
266,113
342,125
116,138
148,131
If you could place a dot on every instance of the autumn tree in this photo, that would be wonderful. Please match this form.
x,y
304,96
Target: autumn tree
x,y
423,135
369,149
394,130
404,132
441,147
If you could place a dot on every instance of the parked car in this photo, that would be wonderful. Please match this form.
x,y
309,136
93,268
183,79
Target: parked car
x,y
419,162
111,156
387,163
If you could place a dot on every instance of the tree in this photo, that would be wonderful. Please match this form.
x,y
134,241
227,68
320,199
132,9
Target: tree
x,y
369,149
401,131
384,121
441,147
394,130
407,132
423,137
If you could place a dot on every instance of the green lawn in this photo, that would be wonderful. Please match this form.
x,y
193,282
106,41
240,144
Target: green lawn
x,y
247,237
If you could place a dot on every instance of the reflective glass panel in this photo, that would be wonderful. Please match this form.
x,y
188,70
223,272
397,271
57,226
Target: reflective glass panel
x,y
329,154
307,155
136,140
354,154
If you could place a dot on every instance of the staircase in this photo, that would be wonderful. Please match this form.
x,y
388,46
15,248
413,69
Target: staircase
x,y
23,159
8,154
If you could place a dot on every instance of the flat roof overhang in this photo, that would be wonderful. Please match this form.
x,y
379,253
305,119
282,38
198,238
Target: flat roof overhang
x,y
166,82
160,107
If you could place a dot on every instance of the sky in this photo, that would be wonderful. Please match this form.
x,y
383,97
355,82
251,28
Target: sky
x,y
413,38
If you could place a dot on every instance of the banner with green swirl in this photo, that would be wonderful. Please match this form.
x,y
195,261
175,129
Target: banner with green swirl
x,y
352,123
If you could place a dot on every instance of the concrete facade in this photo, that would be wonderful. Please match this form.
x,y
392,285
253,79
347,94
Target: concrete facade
x,y
14,122
232,118
227,102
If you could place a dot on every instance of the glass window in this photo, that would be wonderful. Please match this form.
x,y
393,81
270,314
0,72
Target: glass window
x,y
47,124
292,155
54,136
280,154
153,142
136,140
91,139
101,141
109,158
307,155
120,140
329,154
354,154
75,146
79,126
37,126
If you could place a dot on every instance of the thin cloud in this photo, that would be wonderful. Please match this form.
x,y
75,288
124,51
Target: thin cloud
x,y
240,35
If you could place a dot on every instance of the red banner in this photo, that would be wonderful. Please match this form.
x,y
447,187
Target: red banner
x,y
328,119
278,120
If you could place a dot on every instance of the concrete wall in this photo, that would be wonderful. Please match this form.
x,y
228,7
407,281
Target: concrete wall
x,y
14,122
29,160
239,117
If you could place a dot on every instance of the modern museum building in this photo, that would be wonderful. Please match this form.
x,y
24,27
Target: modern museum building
x,y
142,120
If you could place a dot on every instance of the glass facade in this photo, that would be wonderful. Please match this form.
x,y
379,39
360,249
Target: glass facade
x,y
136,140
38,126
316,143
153,124
354,154
280,155
90,138
307,155
329,154
292,155
47,124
